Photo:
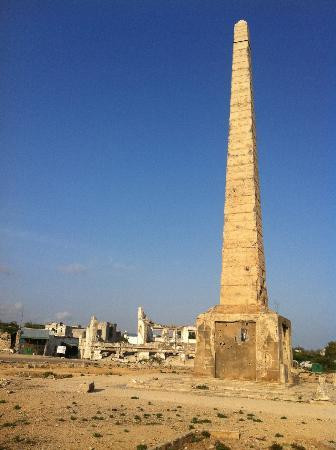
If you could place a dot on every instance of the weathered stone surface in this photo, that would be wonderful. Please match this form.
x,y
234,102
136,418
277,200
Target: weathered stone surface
x,y
91,387
320,393
242,201
5,341
88,387
263,354
241,338
225,434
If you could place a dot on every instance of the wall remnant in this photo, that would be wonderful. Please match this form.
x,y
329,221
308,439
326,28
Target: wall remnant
x,y
61,329
97,333
175,335
5,341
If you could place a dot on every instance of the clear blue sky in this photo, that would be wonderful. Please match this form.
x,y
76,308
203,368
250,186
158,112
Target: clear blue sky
x,y
114,124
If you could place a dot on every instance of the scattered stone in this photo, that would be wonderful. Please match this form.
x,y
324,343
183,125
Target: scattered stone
x,y
225,434
4,382
320,394
334,379
88,387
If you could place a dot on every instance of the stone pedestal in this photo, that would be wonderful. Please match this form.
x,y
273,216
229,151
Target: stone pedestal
x,y
250,345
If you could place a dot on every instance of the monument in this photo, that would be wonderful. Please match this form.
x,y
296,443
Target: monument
x,y
241,338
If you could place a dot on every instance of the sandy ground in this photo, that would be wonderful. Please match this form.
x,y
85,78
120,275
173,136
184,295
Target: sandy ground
x,y
151,405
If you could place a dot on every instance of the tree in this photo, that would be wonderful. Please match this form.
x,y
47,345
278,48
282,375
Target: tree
x,y
330,355
34,325
9,327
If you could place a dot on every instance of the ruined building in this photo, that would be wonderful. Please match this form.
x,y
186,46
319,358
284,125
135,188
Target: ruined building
x,y
241,338
149,331
32,341
96,334
154,341
61,329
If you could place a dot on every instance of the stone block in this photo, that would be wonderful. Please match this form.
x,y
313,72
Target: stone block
x,y
222,435
88,387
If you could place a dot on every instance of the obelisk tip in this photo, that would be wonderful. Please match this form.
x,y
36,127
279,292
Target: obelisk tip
x,y
241,31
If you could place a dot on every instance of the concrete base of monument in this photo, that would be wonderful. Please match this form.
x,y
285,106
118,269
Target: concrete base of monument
x,y
250,345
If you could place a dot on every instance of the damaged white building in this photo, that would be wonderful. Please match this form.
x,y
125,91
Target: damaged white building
x,y
174,335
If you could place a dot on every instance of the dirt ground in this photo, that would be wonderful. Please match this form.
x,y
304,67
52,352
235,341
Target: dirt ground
x,y
43,404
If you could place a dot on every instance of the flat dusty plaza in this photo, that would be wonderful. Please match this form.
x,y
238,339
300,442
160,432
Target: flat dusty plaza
x,y
44,404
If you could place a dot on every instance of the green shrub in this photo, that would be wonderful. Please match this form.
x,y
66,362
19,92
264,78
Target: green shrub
x,y
197,420
47,374
8,425
97,435
221,446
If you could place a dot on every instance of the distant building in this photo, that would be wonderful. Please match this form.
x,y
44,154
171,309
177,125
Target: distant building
x,y
61,329
62,346
32,341
58,329
97,332
78,331
176,335
131,338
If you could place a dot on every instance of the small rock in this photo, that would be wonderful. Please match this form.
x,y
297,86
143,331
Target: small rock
x,y
87,387
91,387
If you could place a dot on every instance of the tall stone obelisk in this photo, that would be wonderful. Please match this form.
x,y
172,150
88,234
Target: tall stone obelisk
x,y
241,338
243,262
